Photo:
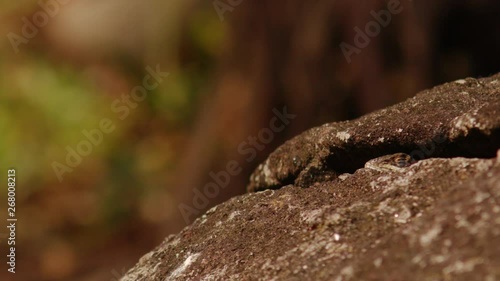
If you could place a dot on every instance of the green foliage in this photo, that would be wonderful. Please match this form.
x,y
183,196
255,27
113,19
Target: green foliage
x,y
44,109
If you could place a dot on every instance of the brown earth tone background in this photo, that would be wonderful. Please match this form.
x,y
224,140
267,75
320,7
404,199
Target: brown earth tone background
x,y
228,68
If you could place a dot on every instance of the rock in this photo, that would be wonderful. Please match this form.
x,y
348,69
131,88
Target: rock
x,y
437,218
460,118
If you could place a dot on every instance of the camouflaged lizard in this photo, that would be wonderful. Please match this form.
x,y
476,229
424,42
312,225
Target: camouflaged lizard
x,y
392,162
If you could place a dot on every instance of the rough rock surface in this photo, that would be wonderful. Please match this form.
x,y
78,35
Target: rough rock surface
x,y
460,118
436,219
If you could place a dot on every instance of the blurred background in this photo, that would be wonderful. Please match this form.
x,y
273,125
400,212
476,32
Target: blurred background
x,y
230,62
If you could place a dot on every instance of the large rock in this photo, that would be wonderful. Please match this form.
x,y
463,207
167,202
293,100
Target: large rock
x,y
436,219
461,118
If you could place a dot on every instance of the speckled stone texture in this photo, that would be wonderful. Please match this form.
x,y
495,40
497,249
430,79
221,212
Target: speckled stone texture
x,y
437,219
460,118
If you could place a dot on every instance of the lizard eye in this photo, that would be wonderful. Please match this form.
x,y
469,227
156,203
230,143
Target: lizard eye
x,y
402,161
